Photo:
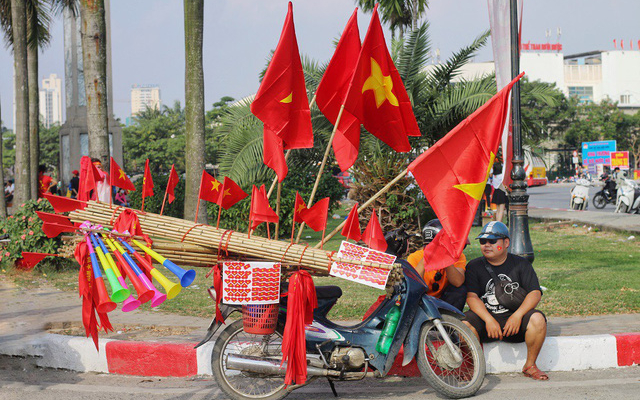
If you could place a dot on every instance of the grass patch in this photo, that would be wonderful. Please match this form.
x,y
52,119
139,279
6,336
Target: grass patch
x,y
584,271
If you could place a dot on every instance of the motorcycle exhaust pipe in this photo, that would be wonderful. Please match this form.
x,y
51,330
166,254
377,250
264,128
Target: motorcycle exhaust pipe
x,y
269,367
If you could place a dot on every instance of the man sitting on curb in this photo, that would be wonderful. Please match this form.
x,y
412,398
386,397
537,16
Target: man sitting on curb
x,y
487,318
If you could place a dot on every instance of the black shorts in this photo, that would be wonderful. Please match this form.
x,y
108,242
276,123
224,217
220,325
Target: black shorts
x,y
499,197
480,326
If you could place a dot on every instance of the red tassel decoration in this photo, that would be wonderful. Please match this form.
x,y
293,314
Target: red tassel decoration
x,y
217,286
302,302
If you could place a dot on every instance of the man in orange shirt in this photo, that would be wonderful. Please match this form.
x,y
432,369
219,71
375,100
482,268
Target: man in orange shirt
x,y
446,284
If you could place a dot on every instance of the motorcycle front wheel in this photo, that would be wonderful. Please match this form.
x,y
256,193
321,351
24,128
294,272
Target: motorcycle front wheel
x,y
438,366
241,385
599,201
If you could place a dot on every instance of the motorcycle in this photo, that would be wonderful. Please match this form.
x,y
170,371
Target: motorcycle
x,y
449,356
606,195
628,200
580,194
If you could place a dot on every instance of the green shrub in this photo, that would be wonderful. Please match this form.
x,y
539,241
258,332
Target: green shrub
x,y
25,232
153,203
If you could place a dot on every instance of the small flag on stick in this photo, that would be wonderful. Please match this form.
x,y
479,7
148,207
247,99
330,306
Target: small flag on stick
x,y
147,183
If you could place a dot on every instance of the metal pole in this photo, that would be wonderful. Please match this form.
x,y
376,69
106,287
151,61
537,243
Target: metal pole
x,y
518,198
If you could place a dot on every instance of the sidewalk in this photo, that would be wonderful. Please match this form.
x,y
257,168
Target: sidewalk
x,y
602,219
162,344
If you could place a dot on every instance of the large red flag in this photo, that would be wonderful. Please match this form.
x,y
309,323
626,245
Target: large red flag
x,y
89,176
230,193
172,183
260,209
147,181
351,229
119,178
209,188
373,235
377,96
453,174
281,102
332,92
316,216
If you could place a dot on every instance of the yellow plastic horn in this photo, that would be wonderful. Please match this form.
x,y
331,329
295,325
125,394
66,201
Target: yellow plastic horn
x,y
171,288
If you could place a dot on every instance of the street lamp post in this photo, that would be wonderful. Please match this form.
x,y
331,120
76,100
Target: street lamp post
x,y
518,198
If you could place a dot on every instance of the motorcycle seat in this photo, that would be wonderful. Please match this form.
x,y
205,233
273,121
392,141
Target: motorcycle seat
x,y
328,292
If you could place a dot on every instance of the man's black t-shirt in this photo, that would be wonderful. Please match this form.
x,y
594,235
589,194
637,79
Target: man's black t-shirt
x,y
514,269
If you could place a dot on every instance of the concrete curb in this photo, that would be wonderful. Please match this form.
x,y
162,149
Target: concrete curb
x,y
559,353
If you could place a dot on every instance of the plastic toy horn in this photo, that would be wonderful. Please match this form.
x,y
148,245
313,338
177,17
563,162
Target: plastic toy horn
x,y
105,304
118,293
186,276
130,303
158,297
171,288
144,293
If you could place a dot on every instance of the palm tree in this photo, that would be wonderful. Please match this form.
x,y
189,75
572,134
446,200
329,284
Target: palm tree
x,y
398,14
3,204
22,168
194,106
94,58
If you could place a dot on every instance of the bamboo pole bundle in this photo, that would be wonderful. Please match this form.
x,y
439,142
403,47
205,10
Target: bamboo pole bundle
x,y
186,232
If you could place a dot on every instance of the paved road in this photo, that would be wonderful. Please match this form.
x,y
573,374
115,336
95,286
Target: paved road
x,y
19,380
558,196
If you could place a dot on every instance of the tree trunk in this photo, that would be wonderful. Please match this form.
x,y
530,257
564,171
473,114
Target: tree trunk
x,y
22,168
34,112
3,204
194,107
94,59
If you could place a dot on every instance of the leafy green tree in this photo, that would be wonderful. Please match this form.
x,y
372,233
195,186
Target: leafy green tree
x,y
157,135
49,145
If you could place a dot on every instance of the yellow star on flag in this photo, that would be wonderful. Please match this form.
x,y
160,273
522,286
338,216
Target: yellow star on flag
x,y
215,184
476,190
227,193
287,99
300,208
122,174
381,85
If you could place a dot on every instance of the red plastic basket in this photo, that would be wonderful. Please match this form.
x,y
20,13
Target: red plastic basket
x,y
260,319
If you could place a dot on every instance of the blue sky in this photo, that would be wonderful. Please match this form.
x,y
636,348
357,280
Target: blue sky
x,y
147,39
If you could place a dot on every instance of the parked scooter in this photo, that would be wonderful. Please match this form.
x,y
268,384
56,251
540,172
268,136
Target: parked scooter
x,y
628,200
580,194
607,195
449,356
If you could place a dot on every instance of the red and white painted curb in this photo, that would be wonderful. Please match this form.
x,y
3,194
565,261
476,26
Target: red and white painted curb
x,y
559,353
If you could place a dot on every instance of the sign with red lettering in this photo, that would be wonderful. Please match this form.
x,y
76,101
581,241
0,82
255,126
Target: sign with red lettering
x,y
620,159
541,46
250,283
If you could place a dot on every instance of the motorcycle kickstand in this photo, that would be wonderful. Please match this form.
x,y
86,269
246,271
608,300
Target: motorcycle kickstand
x,y
333,387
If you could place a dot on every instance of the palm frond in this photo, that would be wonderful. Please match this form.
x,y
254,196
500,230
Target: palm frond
x,y
413,56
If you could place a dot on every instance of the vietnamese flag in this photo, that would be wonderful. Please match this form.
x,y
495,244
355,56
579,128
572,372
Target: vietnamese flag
x,y
209,188
332,92
316,216
377,96
230,194
298,207
119,178
281,102
172,183
147,181
89,176
351,229
373,235
260,209
453,174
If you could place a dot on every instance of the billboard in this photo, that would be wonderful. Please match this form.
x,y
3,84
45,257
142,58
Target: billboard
x,y
620,159
597,153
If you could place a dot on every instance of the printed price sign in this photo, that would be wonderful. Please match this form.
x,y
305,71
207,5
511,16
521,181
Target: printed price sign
x,y
250,283
370,276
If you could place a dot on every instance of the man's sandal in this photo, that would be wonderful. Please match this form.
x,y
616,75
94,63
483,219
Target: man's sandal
x,y
534,372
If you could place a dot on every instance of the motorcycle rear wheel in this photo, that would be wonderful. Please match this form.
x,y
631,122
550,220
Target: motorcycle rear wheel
x,y
240,385
437,365
599,201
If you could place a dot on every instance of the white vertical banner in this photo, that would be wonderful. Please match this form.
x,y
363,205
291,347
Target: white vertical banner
x,y
500,23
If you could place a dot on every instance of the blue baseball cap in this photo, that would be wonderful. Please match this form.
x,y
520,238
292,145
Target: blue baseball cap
x,y
494,230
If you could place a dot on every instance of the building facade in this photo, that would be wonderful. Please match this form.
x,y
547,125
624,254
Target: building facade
x,y
51,101
144,97
592,76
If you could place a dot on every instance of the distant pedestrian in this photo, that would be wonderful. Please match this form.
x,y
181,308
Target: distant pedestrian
x,y
74,184
45,181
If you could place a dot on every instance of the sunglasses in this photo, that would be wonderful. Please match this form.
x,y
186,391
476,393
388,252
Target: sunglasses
x,y
490,241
